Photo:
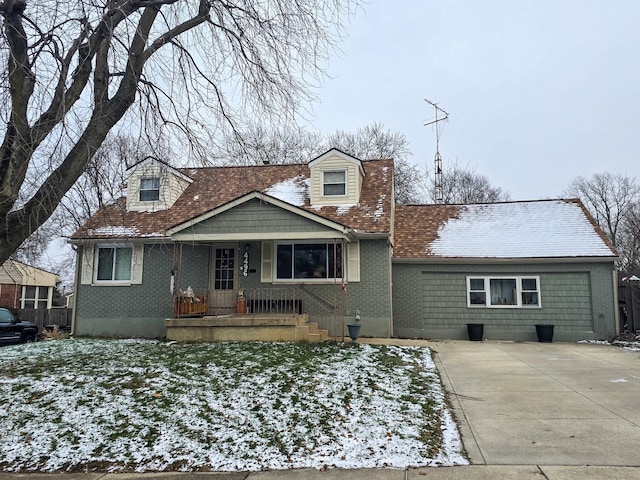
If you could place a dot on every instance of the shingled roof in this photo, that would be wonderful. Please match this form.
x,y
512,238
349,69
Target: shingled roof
x,y
213,187
532,229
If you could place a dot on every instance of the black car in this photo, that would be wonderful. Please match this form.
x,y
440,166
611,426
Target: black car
x,y
14,330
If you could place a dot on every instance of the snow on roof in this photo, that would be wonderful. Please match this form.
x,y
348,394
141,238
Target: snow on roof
x,y
379,208
293,190
538,229
114,231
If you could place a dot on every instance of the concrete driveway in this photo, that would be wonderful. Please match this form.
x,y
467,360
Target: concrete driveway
x,y
544,404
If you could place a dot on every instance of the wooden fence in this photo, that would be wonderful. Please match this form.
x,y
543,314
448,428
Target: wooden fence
x,y
54,316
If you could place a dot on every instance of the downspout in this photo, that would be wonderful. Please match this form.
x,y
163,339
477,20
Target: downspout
x,y
76,290
390,260
343,287
616,305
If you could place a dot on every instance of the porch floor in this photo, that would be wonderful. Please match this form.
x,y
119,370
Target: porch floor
x,y
237,327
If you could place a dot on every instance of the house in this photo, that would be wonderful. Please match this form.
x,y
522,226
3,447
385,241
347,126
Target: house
x,y
26,287
326,238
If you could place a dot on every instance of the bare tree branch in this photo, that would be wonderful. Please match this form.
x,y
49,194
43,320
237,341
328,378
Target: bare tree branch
x,y
462,185
75,70
614,201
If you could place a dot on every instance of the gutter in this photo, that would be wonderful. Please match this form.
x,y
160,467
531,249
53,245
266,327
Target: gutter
x,y
486,261
94,240
372,236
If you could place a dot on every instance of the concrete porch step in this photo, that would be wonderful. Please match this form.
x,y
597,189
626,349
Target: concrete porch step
x,y
284,328
314,329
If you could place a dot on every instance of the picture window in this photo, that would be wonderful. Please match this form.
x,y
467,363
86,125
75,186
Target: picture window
x,y
309,261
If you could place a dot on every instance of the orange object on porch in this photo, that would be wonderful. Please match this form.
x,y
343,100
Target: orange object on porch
x,y
241,305
188,306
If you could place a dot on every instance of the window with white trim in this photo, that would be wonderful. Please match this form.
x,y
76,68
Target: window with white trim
x,y
503,292
334,183
150,189
34,297
308,261
113,264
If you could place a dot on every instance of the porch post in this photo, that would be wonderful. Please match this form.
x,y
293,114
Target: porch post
x,y
176,274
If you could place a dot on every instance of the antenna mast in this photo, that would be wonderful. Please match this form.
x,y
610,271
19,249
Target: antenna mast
x,y
438,159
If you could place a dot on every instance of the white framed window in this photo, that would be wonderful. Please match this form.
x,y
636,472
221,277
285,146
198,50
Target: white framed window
x,y
150,189
503,292
113,264
334,183
34,297
307,261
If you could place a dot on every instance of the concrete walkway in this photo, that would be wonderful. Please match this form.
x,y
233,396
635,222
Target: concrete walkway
x,y
526,411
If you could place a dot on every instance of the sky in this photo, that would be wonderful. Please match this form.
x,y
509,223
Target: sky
x,y
538,92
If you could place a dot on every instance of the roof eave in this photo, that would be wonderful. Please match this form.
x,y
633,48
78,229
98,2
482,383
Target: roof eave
x,y
140,239
510,260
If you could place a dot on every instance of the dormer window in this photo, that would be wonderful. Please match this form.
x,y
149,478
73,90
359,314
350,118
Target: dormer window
x,y
334,183
150,189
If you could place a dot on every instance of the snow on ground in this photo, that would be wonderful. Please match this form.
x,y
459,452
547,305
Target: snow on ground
x,y
631,344
130,405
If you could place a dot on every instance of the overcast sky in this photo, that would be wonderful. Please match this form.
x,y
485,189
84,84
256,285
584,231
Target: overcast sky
x,y
538,92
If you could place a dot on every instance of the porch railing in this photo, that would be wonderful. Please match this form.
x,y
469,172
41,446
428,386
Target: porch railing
x,y
277,300
273,301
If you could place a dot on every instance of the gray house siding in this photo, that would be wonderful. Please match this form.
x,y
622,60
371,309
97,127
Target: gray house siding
x,y
128,311
371,295
195,268
256,217
430,301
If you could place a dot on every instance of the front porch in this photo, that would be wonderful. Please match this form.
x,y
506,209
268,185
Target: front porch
x,y
291,327
243,291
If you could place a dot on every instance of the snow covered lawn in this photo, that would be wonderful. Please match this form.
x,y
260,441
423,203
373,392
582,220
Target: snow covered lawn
x,y
131,405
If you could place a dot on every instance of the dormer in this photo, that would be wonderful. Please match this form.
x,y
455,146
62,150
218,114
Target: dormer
x,y
336,179
154,185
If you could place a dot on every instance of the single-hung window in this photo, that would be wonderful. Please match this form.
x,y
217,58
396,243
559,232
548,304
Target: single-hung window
x,y
530,292
334,183
113,264
477,292
150,189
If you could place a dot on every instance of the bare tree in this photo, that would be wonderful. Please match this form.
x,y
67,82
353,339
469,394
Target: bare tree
x,y
294,145
74,70
462,185
259,145
629,241
103,180
608,197
373,141
102,183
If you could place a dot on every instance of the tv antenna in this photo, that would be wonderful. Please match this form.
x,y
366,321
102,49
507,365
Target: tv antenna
x,y
440,116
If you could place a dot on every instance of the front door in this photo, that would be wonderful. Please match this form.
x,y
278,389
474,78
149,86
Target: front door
x,y
224,280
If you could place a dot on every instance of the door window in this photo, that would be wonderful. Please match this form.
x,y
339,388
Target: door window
x,y
224,269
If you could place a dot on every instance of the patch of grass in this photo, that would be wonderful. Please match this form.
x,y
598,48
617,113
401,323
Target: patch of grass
x,y
115,399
